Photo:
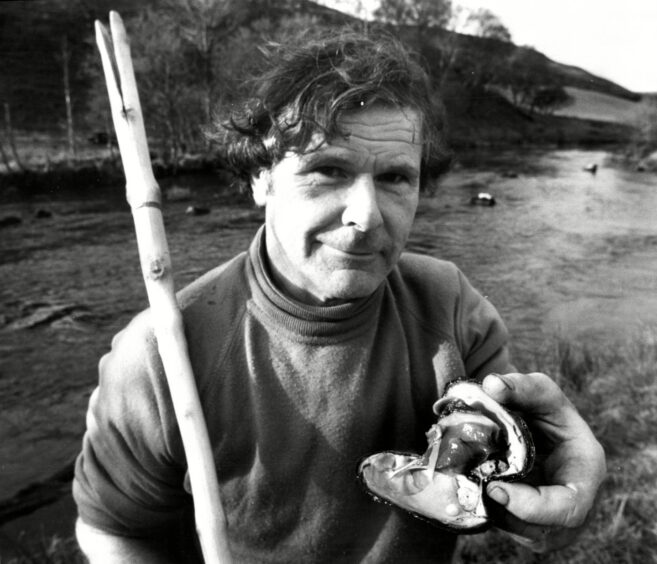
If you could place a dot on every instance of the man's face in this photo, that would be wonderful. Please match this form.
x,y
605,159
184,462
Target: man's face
x,y
338,217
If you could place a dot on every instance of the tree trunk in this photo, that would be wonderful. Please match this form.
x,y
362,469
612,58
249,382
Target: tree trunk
x,y
67,97
10,137
5,158
3,154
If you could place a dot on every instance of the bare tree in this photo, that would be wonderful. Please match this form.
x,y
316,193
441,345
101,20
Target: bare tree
x,y
549,99
420,13
70,132
484,23
172,97
204,25
9,134
523,75
5,158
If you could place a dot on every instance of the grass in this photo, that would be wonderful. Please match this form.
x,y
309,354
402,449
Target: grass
x,y
45,150
54,550
615,389
588,104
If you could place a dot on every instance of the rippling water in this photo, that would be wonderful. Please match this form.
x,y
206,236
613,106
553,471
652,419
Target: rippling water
x,y
563,252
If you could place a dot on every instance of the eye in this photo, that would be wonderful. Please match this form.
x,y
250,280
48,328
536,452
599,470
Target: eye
x,y
394,178
333,172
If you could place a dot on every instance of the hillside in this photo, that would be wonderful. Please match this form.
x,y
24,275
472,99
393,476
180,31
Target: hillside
x,y
31,62
600,106
31,66
491,51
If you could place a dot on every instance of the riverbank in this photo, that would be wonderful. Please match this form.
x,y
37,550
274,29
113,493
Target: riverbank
x,y
44,166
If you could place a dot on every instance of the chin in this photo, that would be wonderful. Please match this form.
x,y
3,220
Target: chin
x,y
350,286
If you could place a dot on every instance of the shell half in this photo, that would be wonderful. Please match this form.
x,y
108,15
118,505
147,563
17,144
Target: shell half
x,y
474,440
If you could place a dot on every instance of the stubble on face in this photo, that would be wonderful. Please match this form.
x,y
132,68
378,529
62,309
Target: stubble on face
x,y
339,216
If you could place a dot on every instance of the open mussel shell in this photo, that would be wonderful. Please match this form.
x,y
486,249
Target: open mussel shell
x,y
474,440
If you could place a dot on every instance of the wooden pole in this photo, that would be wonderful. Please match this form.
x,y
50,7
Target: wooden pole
x,y
144,198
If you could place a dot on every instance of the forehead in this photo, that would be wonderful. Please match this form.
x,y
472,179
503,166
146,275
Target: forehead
x,y
378,130
382,126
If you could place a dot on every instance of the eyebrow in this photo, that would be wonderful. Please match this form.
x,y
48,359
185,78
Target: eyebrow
x,y
338,156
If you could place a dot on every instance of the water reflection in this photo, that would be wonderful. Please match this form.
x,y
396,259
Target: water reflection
x,y
563,251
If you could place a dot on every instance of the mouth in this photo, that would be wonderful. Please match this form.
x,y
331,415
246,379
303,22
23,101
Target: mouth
x,y
355,253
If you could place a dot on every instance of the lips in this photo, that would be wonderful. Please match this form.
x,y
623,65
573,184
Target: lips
x,y
363,245
357,252
353,256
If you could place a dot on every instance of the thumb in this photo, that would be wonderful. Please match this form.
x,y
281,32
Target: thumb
x,y
552,506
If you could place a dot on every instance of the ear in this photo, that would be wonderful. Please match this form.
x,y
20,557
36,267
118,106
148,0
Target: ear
x,y
260,184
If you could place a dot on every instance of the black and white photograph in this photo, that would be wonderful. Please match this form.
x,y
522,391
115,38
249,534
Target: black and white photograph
x,y
328,281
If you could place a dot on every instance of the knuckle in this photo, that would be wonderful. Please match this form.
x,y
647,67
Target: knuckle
x,y
576,514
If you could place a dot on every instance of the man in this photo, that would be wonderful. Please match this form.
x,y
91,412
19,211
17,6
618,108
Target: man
x,y
321,344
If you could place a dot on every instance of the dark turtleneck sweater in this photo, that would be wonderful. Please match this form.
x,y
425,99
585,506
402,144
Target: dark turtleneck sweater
x,y
294,396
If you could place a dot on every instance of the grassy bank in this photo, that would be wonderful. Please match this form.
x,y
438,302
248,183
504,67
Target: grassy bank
x,y
615,388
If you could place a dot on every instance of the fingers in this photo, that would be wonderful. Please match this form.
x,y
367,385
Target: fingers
x,y
554,516
571,465
575,456
541,403
552,506
536,393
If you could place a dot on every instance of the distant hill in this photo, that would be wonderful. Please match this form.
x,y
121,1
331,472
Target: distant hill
x,y
578,78
600,106
31,35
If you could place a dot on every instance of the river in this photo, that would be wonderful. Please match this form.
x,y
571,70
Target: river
x,y
563,252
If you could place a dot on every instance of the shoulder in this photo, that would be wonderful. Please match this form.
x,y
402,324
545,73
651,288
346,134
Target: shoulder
x,y
428,272
217,287
441,299
216,284
213,307
213,299
436,293
426,284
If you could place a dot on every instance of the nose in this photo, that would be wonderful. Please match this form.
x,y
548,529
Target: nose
x,y
361,206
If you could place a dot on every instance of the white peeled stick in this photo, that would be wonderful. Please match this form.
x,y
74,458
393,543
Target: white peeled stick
x,y
144,197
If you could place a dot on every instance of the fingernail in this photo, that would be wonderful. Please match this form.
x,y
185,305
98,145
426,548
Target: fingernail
x,y
493,384
498,495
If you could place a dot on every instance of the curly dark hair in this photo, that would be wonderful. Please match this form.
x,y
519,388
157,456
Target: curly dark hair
x,y
311,81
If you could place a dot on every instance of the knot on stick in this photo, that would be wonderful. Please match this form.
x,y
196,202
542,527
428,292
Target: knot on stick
x,y
157,268
128,113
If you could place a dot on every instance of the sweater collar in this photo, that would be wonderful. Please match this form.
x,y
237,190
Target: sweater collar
x,y
304,318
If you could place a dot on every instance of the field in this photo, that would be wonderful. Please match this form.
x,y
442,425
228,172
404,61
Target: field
x,y
598,106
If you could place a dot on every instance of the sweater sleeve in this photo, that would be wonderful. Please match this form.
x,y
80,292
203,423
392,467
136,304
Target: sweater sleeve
x,y
481,334
129,475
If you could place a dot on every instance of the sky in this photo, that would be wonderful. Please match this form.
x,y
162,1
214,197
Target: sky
x,y
614,39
